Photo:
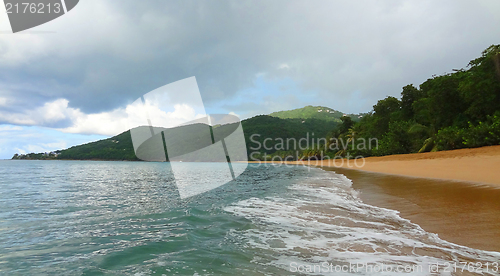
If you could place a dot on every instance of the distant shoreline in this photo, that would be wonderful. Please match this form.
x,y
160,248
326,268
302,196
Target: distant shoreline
x,y
476,165
55,159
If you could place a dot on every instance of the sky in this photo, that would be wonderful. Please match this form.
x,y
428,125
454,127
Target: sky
x,y
72,80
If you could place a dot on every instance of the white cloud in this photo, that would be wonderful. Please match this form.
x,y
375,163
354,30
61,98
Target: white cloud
x,y
3,101
54,111
104,123
234,114
10,128
48,114
139,114
21,151
284,66
41,147
117,121
35,148
55,145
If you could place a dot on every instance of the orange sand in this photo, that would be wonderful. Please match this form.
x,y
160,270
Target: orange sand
x,y
480,165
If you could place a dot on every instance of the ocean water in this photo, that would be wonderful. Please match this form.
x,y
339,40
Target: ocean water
x,y
126,218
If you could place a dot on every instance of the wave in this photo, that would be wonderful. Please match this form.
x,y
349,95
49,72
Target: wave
x,y
322,222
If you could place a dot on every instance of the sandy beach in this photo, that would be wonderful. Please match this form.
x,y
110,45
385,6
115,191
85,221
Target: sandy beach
x,y
479,165
455,194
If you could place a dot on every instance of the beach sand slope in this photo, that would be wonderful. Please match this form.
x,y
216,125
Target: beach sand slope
x,y
479,165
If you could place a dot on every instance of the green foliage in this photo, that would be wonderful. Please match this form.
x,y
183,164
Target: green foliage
x,y
384,112
36,156
115,148
120,147
423,137
444,101
347,124
484,133
480,88
409,95
446,112
312,154
450,138
397,140
277,130
314,112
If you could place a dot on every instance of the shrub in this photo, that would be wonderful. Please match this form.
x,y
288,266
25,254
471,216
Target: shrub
x,y
397,140
450,138
484,134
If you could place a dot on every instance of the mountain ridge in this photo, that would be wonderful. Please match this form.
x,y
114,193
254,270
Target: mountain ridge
x,y
315,112
120,147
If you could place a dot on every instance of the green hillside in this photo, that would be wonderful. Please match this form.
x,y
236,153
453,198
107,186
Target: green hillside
x,y
314,112
120,147
273,128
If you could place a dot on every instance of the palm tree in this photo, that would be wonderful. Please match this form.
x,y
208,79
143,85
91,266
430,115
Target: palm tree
x,y
351,136
309,153
429,143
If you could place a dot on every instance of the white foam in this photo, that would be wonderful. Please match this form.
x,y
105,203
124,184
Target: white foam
x,y
323,220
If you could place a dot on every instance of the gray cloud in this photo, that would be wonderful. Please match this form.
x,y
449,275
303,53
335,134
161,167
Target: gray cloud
x,y
346,54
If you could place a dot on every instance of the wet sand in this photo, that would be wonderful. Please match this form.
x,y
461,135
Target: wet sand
x,y
460,212
455,194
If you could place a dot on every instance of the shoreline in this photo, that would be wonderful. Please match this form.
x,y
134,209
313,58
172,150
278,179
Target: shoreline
x,y
458,212
454,194
477,165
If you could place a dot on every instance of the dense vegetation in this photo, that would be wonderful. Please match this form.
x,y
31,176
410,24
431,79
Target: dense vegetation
x,y
115,148
120,147
36,156
259,128
451,111
314,112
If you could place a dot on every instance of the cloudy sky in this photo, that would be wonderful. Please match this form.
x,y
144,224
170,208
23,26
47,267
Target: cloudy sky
x,y
71,80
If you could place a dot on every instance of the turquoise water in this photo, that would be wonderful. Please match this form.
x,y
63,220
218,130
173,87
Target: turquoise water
x,y
126,218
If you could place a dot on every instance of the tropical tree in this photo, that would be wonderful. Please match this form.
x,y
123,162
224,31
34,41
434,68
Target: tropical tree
x,y
429,132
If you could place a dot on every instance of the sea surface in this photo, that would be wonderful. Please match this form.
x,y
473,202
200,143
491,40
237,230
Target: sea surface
x,y
127,218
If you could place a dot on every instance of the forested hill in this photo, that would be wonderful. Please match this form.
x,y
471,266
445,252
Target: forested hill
x,y
315,112
120,147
